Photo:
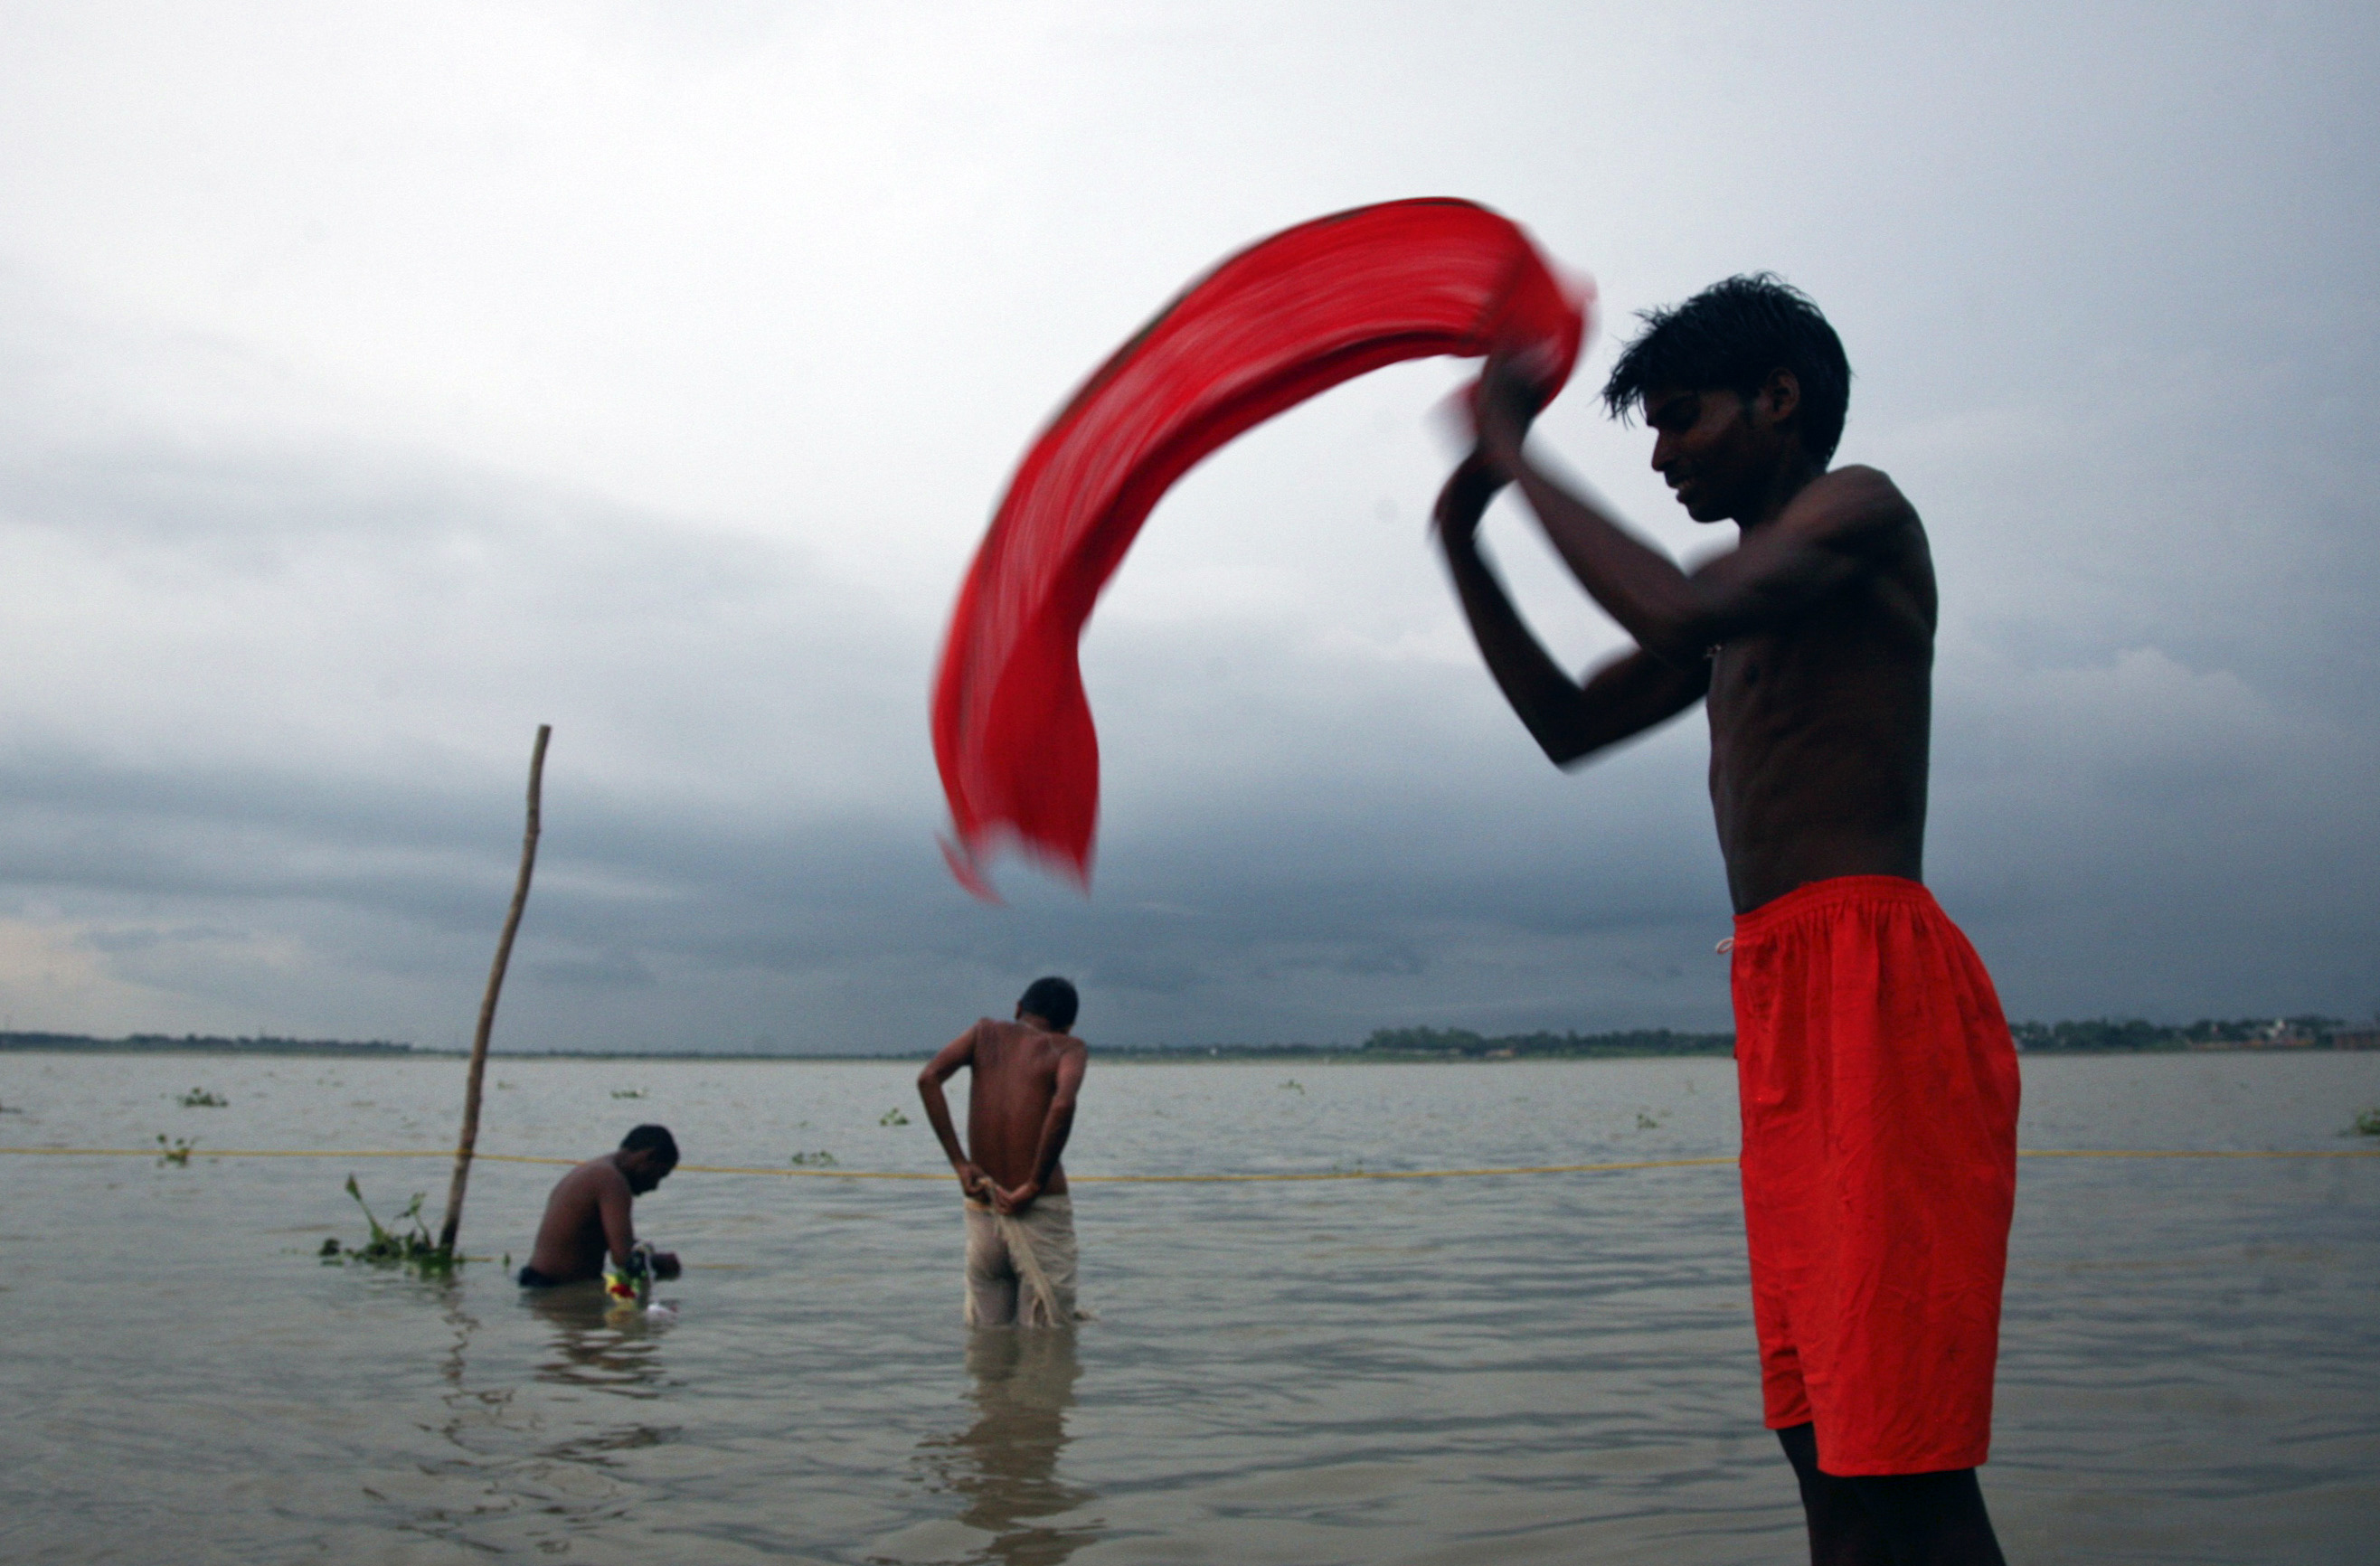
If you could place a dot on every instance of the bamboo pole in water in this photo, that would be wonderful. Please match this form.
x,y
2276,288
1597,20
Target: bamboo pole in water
x,y
470,1137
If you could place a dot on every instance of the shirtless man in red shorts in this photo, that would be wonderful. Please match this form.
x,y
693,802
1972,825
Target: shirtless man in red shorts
x,y
1878,1082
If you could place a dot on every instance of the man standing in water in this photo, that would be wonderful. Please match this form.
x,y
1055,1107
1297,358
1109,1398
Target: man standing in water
x,y
1878,1081
1020,1222
589,1218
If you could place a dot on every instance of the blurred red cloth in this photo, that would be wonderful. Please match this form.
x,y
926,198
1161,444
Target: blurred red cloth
x,y
1279,323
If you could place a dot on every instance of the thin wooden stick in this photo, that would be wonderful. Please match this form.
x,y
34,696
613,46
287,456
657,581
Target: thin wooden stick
x,y
488,1006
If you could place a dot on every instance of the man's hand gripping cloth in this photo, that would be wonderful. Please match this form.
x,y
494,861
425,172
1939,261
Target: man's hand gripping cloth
x,y
1021,1266
1879,1096
1274,325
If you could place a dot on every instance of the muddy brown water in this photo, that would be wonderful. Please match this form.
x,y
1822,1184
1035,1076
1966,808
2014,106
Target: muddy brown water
x,y
1507,1369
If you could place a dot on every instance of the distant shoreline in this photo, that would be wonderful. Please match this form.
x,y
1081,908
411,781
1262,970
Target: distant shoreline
x,y
203,1044
1387,1047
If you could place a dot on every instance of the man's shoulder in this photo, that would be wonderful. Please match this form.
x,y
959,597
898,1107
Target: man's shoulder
x,y
597,1171
997,1041
1852,503
1858,477
1858,516
1022,1042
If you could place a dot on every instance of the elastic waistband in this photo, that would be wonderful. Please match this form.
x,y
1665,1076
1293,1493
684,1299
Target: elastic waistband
x,y
1813,896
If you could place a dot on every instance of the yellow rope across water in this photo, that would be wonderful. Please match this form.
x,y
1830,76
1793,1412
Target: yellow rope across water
x,y
1261,1178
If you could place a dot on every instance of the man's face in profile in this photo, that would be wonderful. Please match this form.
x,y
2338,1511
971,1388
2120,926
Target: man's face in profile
x,y
1718,450
1699,448
644,1170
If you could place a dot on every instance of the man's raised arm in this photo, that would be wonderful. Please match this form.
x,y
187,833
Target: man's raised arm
x,y
1829,532
1056,1126
959,1051
1569,722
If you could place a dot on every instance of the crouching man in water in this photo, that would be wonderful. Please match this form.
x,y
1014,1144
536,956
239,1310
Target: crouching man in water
x,y
588,1216
1878,1082
1020,1222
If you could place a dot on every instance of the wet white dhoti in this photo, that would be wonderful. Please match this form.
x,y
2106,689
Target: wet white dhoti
x,y
1020,1268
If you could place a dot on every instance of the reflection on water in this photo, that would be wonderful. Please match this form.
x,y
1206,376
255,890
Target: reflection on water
x,y
1005,1465
522,1468
597,1342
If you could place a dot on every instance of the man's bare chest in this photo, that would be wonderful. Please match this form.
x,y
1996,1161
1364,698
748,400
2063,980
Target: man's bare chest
x,y
1755,681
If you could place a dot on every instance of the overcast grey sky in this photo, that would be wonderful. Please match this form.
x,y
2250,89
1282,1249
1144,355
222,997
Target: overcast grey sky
x,y
381,381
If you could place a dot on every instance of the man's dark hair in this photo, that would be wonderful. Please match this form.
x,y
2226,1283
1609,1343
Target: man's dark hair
x,y
1053,1001
653,1136
1732,334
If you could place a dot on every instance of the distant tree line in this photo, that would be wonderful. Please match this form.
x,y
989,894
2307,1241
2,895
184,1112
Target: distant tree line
x,y
2093,1036
1459,1044
201,1044
2132,1036
1462,1043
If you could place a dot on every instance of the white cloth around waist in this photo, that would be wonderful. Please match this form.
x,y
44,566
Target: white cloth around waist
x,y
1021,1266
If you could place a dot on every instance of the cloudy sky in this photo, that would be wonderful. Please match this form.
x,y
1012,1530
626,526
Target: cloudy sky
x,y
377,382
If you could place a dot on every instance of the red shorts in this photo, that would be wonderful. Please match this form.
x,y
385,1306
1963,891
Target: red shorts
x,y
1879,1094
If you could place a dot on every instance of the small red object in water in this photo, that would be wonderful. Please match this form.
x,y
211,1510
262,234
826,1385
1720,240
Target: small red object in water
x,y
1277,323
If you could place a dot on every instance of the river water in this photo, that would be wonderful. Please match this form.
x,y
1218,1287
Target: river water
x,y
1507,1369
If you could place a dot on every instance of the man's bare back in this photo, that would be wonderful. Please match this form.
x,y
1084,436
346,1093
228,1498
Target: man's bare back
x,y
1020,1107
1016,1079
589,1217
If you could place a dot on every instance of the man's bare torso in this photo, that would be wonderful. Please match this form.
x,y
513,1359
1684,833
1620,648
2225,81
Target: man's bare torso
x,y
571,1244
1014,1078
1819,734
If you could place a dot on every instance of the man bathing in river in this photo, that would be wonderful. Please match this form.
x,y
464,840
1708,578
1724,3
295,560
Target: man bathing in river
x,y
1878,1082
588,1218
1020,1222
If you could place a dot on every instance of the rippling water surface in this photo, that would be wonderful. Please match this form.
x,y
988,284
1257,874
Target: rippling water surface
x,y
1507,1369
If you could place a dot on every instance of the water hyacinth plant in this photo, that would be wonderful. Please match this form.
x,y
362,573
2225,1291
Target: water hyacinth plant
x,y
412,1248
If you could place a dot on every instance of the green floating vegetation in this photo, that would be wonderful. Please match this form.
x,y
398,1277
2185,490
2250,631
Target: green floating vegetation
x,y
893,1117
2368,1123
410,1249
175,1151
199,1099
1293,1086
820,1160
632,1092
